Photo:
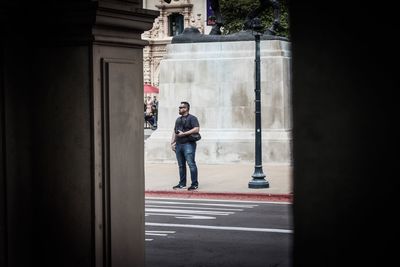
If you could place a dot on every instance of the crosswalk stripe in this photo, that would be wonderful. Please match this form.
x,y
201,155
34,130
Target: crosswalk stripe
x,y
195,208
205,212
269,230
161,232
222,200
203,204
156,234
182,216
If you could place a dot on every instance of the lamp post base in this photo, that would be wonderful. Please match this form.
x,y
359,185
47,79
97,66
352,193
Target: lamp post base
x,y
258,183
258,180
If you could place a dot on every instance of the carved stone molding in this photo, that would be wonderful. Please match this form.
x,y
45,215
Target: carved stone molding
x,y
158,37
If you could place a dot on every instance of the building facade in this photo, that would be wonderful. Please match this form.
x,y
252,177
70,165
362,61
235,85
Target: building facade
x,y
173,19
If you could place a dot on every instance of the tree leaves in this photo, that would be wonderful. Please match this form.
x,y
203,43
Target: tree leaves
x,y
235,13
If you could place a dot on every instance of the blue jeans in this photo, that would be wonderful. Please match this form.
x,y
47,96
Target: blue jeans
x,y
186,153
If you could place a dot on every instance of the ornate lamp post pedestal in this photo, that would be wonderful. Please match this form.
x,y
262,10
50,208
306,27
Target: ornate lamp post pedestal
x,y
258,180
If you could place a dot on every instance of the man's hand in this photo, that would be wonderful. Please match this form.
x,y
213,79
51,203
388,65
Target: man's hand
x,y
173,146
180,133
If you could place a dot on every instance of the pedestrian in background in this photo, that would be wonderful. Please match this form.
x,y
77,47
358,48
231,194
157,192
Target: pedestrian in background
x,y
149,103
155,101
185,148
154,113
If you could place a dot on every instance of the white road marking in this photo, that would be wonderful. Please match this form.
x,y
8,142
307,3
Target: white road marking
x,y
188,210
182,216
221,200
204,212
228,228
156,234
195,208
201,209
203,204
161,232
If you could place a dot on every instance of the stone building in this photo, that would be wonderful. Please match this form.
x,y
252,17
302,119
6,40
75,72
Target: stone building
x,y
173,18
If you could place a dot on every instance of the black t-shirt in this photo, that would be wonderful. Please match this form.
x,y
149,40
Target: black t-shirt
x,y
184,124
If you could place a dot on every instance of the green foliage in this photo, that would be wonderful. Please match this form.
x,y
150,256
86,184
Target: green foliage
x,y
235,12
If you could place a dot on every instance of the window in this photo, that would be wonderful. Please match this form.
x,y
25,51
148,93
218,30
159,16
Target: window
x,y
175,24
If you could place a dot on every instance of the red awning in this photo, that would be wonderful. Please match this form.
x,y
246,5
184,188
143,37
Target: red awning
x,y
148,89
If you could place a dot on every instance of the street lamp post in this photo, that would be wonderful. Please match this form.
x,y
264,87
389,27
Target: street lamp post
x,y
258,180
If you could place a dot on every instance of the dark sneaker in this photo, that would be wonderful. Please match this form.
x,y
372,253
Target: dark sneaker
x,y
179,186
193,187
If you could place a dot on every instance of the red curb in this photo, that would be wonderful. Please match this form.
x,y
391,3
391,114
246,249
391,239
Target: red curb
x,y
216,195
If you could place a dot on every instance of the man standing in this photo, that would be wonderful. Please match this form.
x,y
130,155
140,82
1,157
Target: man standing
x,y
184,148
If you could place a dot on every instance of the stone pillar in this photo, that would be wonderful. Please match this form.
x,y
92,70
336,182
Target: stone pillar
x,y
217,78
72,188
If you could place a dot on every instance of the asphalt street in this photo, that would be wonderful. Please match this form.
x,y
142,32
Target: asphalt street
x,y
189,232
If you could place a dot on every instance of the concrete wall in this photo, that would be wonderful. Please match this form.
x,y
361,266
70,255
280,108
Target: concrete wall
x,y
217,78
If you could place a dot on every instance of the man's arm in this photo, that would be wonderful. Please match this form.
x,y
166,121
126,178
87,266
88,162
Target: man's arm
x,y
193,122
187,133
173,141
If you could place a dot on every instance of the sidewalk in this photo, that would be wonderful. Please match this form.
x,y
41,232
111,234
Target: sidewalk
x,y
222,181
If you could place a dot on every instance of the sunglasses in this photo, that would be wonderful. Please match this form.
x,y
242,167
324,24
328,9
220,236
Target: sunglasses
x,y
181,107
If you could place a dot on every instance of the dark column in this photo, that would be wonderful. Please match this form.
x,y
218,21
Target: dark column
x,y
72,186
17,156
344,70
3,196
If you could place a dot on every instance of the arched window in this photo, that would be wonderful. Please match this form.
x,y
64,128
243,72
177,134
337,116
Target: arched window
x,y
175,24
